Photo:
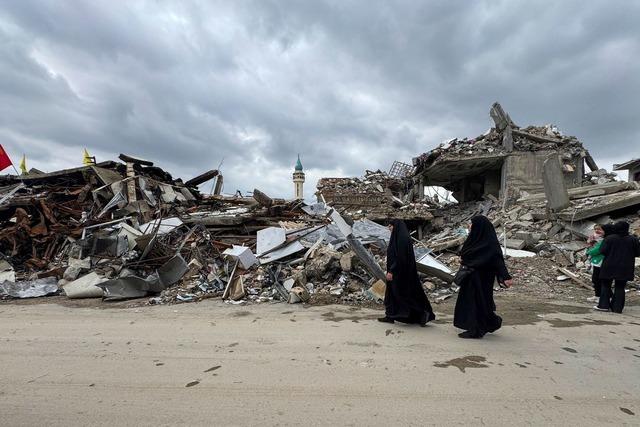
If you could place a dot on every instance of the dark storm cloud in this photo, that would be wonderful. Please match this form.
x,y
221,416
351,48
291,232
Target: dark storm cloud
x,y
349,85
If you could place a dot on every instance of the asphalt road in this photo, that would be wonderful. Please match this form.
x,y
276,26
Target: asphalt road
x,y
215,364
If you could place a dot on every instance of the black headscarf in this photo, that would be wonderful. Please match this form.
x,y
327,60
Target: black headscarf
x,y
608,229
481,246
400,248
621,228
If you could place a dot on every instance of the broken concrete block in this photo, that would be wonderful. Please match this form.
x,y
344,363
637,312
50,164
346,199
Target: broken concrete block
x,y
430,286
76,267
288,284
515,244
85,287
346,261
243,255
562,258
298,294
377,290
527,217
555,229
530,239
325,259
7,273
555,187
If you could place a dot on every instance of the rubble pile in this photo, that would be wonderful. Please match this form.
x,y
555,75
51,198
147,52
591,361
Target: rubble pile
x,y
376,196
544,248
531,138
129,230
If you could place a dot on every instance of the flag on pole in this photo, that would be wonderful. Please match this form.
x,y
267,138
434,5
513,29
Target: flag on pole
x,y
5,161
23,165
86,158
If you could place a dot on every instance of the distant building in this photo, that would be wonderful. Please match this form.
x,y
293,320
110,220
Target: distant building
x,y
298,180
633,166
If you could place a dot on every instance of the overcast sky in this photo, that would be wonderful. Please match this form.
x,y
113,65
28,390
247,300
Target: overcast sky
x,y
350,85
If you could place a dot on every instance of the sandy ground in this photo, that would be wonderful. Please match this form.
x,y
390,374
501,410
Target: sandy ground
x,y
278,364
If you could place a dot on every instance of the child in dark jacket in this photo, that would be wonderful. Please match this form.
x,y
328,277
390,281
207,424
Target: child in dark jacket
x,y
620,250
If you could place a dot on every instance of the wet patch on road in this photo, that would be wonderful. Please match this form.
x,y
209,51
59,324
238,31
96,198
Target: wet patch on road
x,y
463,363
241,314
560,323
331,317
569,349
363,344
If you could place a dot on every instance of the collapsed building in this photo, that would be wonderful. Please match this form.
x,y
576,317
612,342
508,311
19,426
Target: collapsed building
x,y
506,159
122,230
379,196
633,166
128,229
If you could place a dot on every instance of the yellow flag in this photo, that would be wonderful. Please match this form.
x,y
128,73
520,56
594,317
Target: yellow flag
x,y
23,165
86,159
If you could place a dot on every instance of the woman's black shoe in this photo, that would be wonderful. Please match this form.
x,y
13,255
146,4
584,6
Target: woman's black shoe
x,y
467,334
385,320
426,318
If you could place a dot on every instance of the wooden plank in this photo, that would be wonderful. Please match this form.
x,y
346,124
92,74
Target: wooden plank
x,y
574,277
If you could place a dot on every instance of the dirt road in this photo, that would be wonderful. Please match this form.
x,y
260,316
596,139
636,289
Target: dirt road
x,y
215,364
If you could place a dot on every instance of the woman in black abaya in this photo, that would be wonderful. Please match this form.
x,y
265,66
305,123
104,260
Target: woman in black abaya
x,y
404,299
482,256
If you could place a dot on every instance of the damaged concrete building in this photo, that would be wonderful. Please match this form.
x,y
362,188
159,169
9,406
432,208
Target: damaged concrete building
x,y
633,166
378,196
505,160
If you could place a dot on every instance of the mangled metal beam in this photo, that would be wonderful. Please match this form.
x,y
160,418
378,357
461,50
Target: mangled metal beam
x,y
363,254
202,178
128,159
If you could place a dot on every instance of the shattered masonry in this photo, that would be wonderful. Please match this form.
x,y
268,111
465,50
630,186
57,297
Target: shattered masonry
x,y
127,229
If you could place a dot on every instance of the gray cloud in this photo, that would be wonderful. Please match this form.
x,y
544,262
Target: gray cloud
x,y
350,85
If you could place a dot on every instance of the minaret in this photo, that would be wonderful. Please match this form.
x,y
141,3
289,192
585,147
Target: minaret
x,y
298,180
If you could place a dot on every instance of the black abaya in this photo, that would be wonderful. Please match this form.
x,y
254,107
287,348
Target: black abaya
x,y
481,252
404,299
620,250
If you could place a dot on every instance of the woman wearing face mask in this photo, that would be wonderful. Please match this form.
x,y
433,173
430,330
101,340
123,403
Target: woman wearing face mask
x,y
481,263
404,299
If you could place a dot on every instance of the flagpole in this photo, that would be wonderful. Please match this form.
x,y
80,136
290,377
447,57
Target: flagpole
x,y
17,173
